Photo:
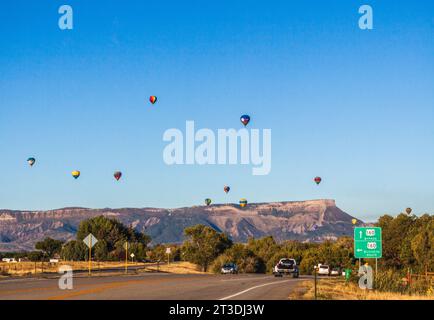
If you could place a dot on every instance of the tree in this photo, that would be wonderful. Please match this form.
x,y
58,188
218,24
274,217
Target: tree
x,y
265,248
75,251
35,256
111,235
203,245
423,246
244,258
49,246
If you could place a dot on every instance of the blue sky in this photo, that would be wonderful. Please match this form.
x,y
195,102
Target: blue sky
x,y
353,106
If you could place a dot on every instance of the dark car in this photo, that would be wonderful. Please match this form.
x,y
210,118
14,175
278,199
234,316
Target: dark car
x,y
229,268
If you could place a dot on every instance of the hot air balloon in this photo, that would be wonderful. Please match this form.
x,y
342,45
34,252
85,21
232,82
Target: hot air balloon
x,y
408,210
31,161
243,202
226,189
317,180
353,221
117,175
153,99
245,119
208,201
75,174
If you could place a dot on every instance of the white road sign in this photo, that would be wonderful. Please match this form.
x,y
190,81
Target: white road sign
x,y
90,240
168,251
132,255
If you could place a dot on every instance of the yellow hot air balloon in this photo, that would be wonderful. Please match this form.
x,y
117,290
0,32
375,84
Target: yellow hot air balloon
x,y
75,174
353,221
243,203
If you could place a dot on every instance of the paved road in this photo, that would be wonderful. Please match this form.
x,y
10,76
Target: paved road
x,y
153,286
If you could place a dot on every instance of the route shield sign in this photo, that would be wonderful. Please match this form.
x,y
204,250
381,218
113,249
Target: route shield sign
x,y
367,242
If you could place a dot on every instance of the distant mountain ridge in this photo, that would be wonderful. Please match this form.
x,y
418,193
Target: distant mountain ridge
x,y
312,221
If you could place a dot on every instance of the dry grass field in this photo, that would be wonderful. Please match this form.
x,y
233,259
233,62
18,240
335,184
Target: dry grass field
x,y
29,268
332,289
177,267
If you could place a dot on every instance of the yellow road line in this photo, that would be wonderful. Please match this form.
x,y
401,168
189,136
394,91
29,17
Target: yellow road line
x,y
109,286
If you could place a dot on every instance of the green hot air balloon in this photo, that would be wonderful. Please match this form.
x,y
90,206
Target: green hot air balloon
x,y
208,201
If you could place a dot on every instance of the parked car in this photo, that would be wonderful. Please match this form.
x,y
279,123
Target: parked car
x,y
323,270
230,268
335,272
286,266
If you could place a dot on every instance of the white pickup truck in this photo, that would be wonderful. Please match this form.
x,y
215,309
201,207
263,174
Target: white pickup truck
x,y
286,266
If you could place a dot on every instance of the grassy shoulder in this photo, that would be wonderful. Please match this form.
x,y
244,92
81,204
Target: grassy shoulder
x,y
29,268
337,289
182,267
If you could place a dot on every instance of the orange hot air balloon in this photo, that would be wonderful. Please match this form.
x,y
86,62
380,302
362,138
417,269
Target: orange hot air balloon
x,y
153,99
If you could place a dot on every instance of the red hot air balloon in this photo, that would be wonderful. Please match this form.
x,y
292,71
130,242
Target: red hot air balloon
x,y
153,99
317,180
117,175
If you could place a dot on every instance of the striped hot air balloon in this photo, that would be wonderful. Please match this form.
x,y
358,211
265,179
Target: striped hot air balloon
x,y
153,99
243,202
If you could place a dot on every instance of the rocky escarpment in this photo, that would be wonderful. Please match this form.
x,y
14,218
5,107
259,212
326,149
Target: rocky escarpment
x,y
314,220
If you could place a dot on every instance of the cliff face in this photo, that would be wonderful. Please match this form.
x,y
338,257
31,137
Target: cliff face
x,y
314,220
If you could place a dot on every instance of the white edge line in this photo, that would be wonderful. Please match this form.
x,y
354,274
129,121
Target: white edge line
x,y
252,288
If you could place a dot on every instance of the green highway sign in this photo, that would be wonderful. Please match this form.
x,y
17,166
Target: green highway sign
x,y
367,242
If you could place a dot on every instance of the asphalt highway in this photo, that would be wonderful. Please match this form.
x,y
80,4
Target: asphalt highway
x,y
152,286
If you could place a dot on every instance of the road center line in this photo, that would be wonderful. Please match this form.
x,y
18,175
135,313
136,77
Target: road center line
x,y
252,288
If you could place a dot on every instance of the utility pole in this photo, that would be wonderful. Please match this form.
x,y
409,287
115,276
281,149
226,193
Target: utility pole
x,y
126,257
315,277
